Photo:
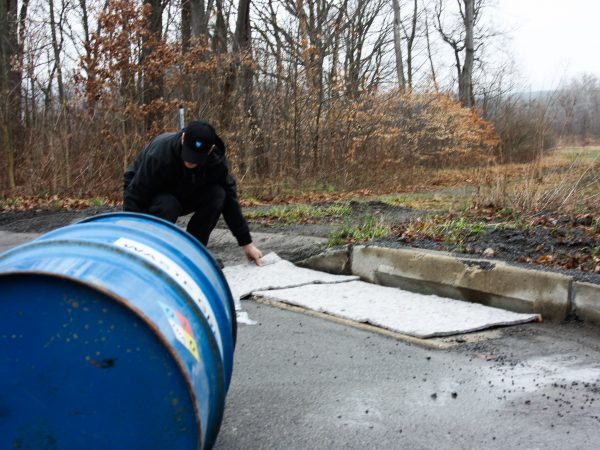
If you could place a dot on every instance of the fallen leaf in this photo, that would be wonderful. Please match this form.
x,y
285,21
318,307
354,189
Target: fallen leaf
x,y
546,259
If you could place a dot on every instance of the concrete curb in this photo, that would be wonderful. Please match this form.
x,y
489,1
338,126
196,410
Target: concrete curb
x,y
586,302
490,282
335,261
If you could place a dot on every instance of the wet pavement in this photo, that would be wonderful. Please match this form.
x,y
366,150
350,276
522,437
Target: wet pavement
x,y
305,382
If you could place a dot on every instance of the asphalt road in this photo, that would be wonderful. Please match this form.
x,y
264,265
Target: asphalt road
x,y
305,382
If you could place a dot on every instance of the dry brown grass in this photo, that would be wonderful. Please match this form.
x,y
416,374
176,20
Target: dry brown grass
x,y
566,180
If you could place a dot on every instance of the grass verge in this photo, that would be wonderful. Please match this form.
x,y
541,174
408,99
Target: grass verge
x,y
369,228
300,213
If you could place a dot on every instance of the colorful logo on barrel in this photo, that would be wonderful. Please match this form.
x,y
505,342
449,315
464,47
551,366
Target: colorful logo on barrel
x,y
182,329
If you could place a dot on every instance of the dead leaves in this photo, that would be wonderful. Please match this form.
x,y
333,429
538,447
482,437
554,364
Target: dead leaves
x,y
570,261
546,259
552,240
53,202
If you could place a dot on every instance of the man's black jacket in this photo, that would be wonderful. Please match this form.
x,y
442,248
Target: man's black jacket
x,y
159,169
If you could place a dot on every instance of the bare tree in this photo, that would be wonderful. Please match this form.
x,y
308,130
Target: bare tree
x,y
56,26
398,44
219,45
578,104
362,61
195,16
200,15
430,55
153,81
12,25
243,44
465,80
410,32
186,25
461,38
88,55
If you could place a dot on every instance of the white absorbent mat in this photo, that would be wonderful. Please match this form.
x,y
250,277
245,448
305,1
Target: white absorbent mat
x,y
275,273
405,312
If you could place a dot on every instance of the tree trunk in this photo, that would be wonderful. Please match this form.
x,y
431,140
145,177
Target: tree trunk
x,y
225,80
152,82
219,44
186,37
186,24
8,152
465,82
398,45
200,15
460,44
242,27
88,58
243,38
56,49
10,85
430,57
409,44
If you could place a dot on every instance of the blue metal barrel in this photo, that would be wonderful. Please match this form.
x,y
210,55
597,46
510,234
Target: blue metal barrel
x,y
116,332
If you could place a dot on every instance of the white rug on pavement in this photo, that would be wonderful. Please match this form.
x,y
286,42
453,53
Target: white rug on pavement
x,y
418,315
275,273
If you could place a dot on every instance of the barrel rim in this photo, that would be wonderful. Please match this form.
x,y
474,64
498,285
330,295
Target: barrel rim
x,y
190,237
138,313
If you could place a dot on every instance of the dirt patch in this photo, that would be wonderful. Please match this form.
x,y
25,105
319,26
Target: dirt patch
x,y
388,213
568,245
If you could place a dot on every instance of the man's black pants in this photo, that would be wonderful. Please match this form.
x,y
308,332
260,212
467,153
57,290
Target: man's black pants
x,y
206,204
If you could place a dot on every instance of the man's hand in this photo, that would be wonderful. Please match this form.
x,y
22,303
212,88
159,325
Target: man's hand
x,y
253,253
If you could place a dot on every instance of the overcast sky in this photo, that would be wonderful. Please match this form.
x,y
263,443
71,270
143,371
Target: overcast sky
x,y
552,40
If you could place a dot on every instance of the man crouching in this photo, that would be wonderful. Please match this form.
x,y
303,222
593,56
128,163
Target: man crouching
x,y
185,172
